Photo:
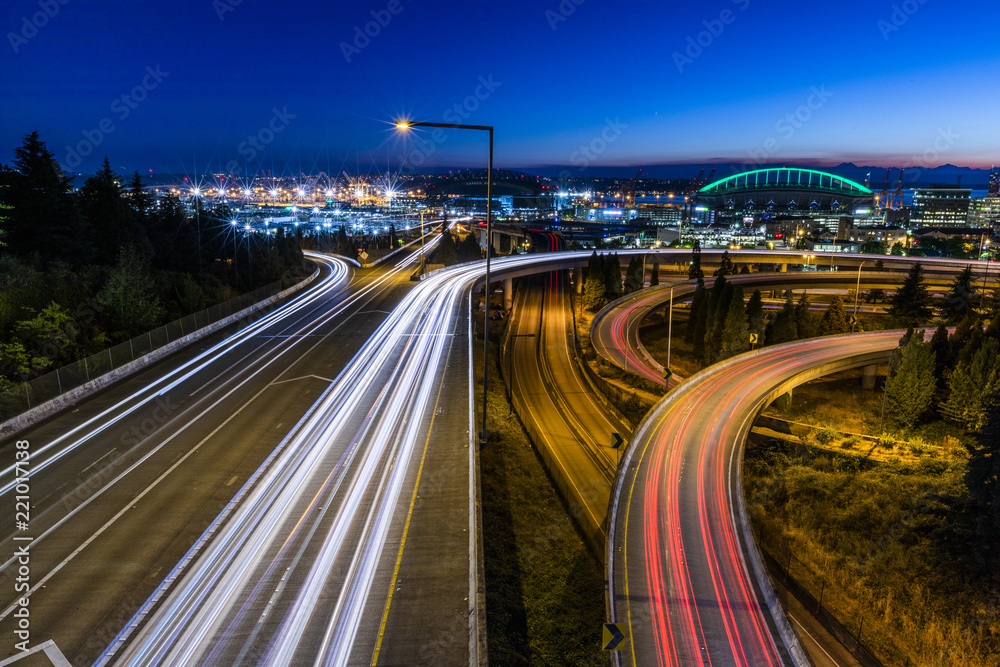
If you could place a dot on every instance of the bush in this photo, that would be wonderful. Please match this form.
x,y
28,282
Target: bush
x,y
827,435
887,441
918,447
850,443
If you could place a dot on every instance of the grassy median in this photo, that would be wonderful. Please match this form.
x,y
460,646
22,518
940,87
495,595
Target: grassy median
x,y
544,587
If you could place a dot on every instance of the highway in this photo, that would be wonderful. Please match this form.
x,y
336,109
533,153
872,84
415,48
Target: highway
x,y
298,490
614,331
124,484
684,573
308,563
568,425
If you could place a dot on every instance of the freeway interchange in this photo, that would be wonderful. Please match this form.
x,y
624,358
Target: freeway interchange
x,y
303,489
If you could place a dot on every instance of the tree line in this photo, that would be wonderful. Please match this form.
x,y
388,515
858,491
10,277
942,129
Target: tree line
x,y
84,269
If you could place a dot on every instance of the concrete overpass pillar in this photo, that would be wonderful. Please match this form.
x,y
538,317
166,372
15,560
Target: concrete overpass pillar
x,y
868,379
784,268
508,293
578,279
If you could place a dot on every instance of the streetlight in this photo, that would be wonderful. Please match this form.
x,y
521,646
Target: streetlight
x,y
197,216
984,242
857,293
407,124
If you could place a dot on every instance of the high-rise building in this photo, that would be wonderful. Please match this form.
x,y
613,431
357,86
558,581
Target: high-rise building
x,y
984,211
940,206
994,183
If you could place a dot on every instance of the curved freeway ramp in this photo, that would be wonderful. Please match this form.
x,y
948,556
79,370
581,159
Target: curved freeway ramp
x,y
683,571
614,331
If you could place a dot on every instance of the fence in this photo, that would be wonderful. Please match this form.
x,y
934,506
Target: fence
x,y
34,392
780,561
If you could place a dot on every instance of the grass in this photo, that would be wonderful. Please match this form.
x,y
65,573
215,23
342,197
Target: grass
x,y
544,588
873,530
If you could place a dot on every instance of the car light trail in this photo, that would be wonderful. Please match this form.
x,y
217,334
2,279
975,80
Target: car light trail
x,y
346,462
679,543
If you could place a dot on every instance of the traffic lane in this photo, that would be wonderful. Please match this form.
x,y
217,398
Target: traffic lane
x,y
594,423
423,614
588,485
329,354
616,331
288,491
655,503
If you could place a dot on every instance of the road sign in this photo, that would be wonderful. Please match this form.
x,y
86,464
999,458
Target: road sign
x,y
852,320
754,338
613,636
667,373
616,440
363,255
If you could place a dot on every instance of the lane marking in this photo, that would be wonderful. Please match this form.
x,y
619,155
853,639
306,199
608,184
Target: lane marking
x,y
409,516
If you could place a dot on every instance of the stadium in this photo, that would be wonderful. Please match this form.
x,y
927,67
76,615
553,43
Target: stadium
x,y
784,189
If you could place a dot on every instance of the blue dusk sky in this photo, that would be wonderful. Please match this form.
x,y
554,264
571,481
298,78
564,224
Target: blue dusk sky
x,y
288,87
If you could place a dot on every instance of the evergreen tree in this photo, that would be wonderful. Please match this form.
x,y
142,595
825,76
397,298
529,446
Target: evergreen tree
x,y
755,313
970,384
612,277
138,199
634,275
910,386
783,328
982,478
43,218
745,269
805,321
129,295
718,308
469,249
735,334
835,318
446,253
912,303
957,302
694,269
942,355
593,293
110,216
726,266
698,304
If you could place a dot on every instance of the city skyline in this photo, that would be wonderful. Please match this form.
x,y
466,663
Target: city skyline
x,y
581,85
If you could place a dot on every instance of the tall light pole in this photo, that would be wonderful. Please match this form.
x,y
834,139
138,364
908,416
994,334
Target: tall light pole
x,y
197,216
857,293
983,242
407,124
670,325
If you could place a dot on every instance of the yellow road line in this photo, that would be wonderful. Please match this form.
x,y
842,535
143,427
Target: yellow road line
x,y
409,515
